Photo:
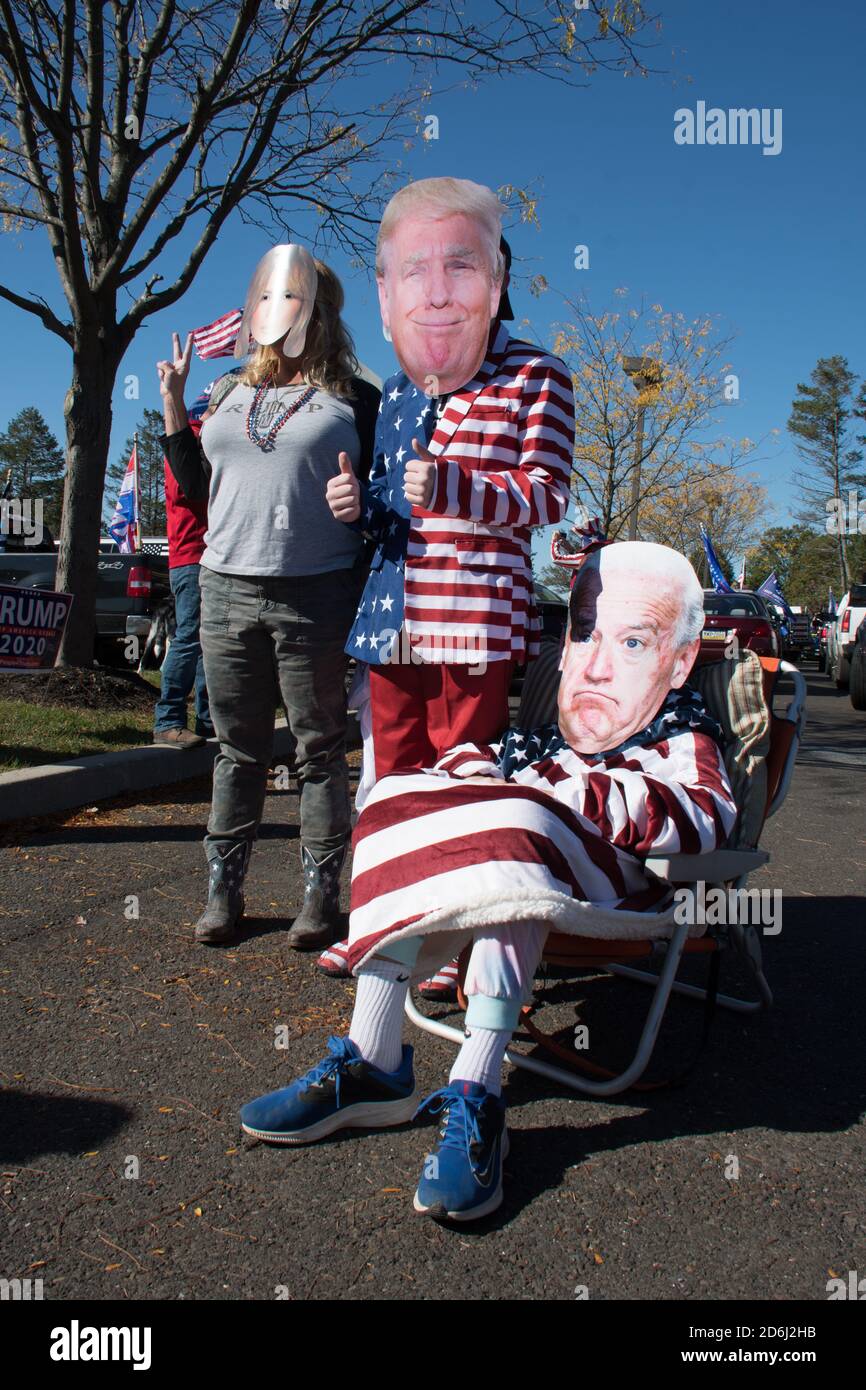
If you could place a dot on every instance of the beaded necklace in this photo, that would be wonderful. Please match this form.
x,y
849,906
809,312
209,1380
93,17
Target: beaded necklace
x,y
265,440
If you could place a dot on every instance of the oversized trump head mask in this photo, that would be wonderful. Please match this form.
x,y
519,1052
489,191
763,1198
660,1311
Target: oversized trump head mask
x,y
279,302
439,271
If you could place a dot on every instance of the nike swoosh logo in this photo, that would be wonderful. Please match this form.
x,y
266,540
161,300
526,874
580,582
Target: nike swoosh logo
x,y
485,1177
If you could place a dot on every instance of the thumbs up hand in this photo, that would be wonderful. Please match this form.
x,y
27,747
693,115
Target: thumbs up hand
x,y
343,493
420,476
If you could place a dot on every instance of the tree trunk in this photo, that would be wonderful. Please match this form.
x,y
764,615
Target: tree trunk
x,y
87,410
837,490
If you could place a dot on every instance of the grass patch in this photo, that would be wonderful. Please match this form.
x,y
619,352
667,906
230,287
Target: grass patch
x,y
51,734
33,733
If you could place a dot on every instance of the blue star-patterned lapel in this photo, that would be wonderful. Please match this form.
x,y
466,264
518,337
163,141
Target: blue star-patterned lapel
x,y
405,413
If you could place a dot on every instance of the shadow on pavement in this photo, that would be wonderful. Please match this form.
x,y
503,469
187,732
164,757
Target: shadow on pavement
x,y
33,1124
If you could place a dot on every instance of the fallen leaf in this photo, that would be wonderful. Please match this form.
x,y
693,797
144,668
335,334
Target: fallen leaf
x,y
198,1211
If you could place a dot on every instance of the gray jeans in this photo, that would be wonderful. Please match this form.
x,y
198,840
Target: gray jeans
x,y
263,639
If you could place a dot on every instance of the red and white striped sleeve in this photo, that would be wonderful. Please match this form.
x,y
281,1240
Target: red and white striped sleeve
x,y
535,491
672,798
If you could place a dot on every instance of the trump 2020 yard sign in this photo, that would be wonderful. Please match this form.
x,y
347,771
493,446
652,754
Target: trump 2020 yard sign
x,y
31,626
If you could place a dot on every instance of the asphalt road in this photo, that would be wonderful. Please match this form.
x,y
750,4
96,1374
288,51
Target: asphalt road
x,y
127,1050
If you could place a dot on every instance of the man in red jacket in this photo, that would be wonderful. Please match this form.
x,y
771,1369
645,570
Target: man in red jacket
x,y
183,669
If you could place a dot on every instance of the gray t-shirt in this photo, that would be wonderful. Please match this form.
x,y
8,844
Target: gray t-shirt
x,y
267,513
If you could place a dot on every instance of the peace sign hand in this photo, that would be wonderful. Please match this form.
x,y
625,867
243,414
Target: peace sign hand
x,y
173,375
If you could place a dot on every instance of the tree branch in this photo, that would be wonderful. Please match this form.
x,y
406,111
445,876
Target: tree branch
x,y
42,311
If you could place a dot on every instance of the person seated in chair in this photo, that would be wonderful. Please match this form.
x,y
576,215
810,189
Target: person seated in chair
x,y
500,843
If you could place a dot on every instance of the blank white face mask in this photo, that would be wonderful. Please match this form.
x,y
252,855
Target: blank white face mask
x,y
280,301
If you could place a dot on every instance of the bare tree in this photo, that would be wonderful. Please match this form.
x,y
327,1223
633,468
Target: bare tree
x,y
126,125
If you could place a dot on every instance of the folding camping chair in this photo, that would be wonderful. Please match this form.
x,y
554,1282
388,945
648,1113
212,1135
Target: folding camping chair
x,y
759,751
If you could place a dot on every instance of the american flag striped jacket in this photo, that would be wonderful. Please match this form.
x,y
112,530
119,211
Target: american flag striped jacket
x,y
458,574
560,838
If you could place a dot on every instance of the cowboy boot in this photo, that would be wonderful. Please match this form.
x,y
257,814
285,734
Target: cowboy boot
x,y
320,921
227,863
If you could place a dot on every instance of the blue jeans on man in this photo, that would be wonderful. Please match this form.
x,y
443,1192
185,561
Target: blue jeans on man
x,y
183,668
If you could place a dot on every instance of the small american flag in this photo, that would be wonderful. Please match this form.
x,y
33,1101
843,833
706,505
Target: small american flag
x,y
217,339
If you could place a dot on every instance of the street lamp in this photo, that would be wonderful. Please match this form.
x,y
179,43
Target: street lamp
x,y
643,372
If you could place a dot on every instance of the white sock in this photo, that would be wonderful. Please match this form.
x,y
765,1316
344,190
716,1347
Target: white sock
x,y
377,1021
480,1058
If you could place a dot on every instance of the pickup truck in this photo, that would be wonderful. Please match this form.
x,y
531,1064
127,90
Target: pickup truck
x,y
130,591
799,641
842,632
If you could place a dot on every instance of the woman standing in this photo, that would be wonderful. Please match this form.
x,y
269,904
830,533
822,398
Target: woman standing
x,y
280,578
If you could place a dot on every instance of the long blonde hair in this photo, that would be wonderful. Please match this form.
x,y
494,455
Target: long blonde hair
x,y
328,359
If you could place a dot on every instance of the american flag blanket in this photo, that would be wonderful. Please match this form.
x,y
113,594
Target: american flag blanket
x,y
538,833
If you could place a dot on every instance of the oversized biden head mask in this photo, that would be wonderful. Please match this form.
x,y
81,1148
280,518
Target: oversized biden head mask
x,y
279,302
635,619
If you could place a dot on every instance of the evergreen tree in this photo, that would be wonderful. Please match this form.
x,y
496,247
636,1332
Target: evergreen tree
x,y
37,462
151,477
806,564
819,422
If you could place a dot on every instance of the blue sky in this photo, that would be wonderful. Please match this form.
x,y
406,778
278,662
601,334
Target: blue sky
x,y
767,242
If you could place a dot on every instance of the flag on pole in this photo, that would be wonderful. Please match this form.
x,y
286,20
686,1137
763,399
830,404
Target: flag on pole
x,y
831,604
720,583
123,526
770,589
218,339
741,578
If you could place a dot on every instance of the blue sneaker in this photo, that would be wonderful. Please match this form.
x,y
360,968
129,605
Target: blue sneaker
x,y
462,1178
340,1092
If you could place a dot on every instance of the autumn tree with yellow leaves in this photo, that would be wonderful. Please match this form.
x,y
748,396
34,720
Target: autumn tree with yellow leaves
x,y
677,463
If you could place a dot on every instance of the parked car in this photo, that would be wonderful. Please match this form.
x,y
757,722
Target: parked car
x,y
130,591
857,679
553,607
742,615
841,634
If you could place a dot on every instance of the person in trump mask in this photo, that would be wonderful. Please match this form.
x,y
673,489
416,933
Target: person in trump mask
x,y
473,448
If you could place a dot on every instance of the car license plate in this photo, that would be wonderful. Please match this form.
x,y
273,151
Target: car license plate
x,y
712,634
